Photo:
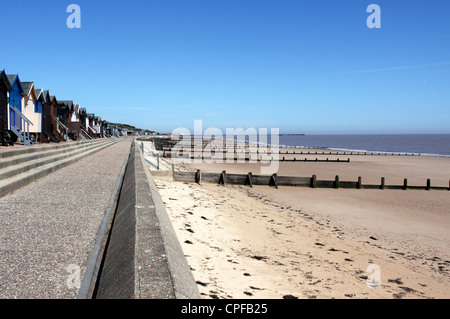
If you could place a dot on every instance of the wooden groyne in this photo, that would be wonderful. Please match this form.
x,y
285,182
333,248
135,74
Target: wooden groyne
x,y
261,158
246,150
274,180
166,145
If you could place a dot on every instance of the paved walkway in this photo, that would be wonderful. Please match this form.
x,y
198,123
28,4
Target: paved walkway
x,y
48,229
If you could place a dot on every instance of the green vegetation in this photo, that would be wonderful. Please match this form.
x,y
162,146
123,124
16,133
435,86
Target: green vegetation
x,y
132,128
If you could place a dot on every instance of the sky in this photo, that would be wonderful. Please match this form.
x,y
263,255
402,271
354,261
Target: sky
x,y
312,67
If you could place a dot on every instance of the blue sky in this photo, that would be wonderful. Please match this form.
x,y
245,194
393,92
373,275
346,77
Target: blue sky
x,y
301,66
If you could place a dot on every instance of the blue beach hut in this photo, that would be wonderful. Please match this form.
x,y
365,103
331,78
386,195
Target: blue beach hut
x,y
39,109
17,121
15,101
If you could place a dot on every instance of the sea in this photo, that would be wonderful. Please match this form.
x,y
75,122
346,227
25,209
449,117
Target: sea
x,y
423,144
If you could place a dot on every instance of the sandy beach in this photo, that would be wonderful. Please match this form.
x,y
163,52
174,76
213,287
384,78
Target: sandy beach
x,y
263,242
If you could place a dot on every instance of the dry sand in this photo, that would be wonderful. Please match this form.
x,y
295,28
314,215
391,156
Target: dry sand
x,y
264,242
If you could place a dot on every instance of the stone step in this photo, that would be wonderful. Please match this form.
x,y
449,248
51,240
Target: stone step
x,y
17,181
42,152
40,148
45,158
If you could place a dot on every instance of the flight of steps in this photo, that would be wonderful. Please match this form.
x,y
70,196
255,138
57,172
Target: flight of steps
x,y
23,166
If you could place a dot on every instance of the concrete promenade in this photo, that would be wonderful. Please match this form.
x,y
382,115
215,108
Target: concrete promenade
x,y
48,228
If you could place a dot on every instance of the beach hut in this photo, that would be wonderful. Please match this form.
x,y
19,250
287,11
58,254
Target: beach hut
x,y
47,121
63,114
105,129
90,124
41,100
84,134
64,111
59,128
82,115
18,123
97,127
86,124
32,109
5,87
102,129
74,122
113,130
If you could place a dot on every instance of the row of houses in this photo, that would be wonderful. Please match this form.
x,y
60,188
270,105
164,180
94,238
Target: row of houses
x,y
32,115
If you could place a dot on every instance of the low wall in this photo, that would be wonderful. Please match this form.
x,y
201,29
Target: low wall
x,y
143,258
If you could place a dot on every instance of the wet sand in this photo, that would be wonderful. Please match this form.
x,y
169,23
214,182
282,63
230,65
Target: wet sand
x,y
263,242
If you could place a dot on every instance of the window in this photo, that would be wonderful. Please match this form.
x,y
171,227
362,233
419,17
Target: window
x,y
37,107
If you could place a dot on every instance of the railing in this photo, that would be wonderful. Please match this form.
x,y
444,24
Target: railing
x,y
24,135
93,130
156,156
58,128
85,134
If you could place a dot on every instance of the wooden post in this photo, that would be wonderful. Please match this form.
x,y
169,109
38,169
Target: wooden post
x,y
428,184
336,182
222,179
198,177
314,181
248,180
358,185
382,183
273,181
405,184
